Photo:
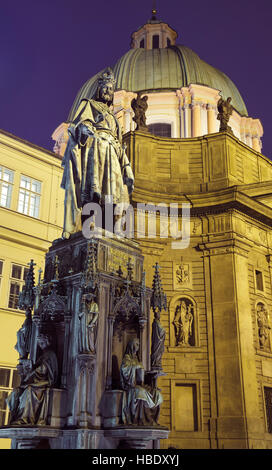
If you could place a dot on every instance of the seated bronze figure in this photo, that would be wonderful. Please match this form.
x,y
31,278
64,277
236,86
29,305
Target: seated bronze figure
x,y
141,402
29,402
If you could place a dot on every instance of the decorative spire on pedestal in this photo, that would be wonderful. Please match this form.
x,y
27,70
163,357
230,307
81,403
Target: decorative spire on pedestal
x,y
129,270
27,295
26,302
56,268
158,298
158,303
89,277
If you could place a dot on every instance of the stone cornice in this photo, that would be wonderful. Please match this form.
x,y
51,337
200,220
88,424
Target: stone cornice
x,y
232,245
23,146
213,202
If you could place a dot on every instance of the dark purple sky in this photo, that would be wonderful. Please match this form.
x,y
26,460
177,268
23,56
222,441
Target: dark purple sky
x,y
49,48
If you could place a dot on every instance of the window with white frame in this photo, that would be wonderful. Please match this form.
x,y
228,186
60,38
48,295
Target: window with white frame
x,y
9,379
18,276
29,196
6,185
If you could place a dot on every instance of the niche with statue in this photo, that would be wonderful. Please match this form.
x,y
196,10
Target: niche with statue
x,y
263,326
184,322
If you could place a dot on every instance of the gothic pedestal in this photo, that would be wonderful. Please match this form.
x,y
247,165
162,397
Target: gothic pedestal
x,y
92,302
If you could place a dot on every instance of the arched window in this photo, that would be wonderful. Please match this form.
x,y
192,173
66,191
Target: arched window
x,y
168,42
156,41
142,44
160,129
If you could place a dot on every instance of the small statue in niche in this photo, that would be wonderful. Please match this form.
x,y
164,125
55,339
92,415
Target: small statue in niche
x,y
24,336
157,341
183,321
88,325
29,402
26,303
141,403
139,106
225,110
263,327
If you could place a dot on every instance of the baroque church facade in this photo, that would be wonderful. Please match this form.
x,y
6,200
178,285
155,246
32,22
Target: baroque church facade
x,y
217,387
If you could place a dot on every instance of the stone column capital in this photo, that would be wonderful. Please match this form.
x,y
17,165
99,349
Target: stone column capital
x,y
196,103
211,107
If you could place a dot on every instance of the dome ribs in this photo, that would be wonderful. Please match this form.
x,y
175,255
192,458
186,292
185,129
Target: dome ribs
x,y
163,69
183,66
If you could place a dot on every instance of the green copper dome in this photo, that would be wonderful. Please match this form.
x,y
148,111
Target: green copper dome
x,y
170,68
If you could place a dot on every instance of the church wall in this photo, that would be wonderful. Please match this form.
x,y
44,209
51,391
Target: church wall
x,y
191,166
225,367
263,358
221,367
186,366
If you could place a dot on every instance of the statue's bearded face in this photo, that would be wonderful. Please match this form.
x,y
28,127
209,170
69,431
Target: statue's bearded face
x,y
43,342
106,92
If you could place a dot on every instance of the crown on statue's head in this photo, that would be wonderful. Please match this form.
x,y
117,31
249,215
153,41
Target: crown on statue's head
x,y
107,76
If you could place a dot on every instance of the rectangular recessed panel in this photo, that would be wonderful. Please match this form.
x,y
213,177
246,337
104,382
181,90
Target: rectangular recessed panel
x,y
163,165
185,407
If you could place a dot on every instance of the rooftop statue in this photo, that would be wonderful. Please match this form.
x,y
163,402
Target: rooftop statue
x,y
139,106
95,162
224,112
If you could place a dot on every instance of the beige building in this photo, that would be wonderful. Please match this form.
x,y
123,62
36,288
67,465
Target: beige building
x,y
31,214
218,350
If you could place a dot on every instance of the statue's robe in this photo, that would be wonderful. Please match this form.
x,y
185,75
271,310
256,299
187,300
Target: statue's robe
x,y
29,402
94,167
24,337
88,328
137,399
157,343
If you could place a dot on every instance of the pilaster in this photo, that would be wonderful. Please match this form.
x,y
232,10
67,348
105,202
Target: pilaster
x,y
235,419
196,118
211,112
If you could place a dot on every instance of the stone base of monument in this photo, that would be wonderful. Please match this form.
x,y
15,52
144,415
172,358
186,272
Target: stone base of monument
x,y
47,437
92,304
